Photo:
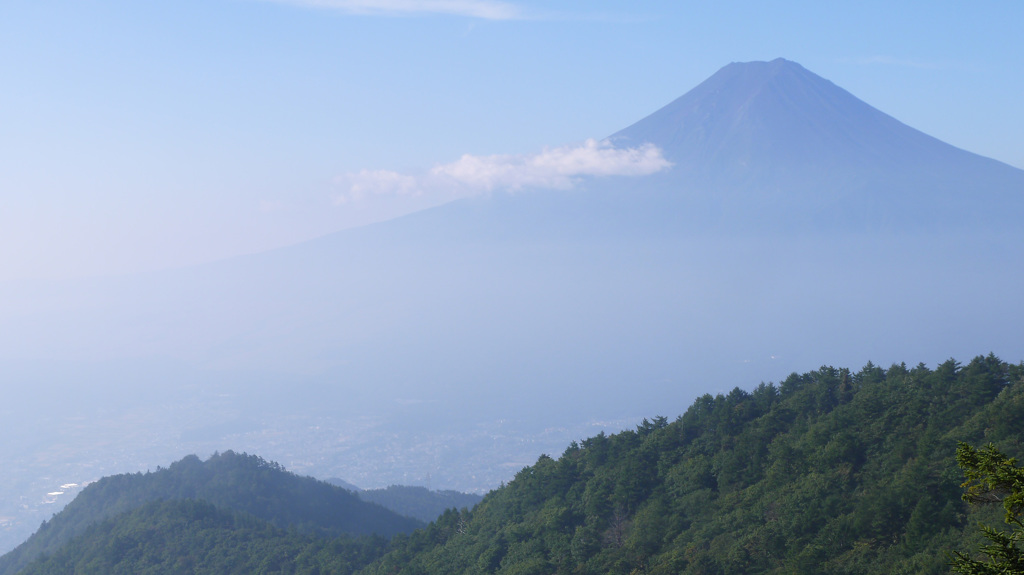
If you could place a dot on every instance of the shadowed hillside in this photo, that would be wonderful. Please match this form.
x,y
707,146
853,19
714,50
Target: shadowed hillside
x,y
193,536
419,502
242,483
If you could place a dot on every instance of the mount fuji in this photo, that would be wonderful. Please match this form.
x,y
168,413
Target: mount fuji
x,y
797,226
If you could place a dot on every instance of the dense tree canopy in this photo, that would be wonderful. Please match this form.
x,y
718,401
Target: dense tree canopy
x,y
827,472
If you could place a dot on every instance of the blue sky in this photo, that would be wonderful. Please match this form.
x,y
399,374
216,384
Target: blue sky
x,y
142,135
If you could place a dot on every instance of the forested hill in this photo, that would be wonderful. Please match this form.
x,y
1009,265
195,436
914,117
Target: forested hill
x,y
231,481
419,502
192,536
828,472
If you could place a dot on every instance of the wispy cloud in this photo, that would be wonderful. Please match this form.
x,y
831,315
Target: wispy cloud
x,y
891,61
367,183
554,168
484,9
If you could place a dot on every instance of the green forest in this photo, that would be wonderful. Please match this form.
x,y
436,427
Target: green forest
x,y
830,471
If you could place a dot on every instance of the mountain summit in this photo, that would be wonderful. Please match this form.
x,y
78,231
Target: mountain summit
x,y
764,142
748,114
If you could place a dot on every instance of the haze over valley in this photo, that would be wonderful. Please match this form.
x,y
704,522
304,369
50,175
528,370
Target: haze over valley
x,y
451,346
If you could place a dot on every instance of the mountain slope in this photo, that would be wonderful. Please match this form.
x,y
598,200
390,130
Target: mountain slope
x,y
231,481
828,472
766,155
193,536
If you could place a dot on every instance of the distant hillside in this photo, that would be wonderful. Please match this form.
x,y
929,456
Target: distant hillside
x,y
343,484
419,502
828,472
191,536
231,481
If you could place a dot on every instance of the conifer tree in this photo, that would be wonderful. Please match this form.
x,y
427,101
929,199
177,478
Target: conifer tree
x,y
992,477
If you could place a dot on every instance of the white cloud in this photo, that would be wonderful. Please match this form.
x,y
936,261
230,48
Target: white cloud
x,y
485,9
554,168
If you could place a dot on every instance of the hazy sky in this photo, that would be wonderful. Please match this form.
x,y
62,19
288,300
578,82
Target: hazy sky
x,y
145,134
